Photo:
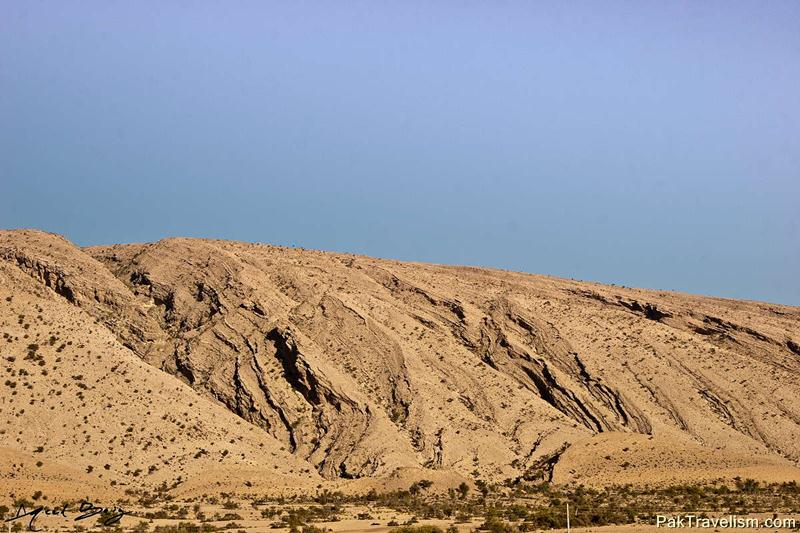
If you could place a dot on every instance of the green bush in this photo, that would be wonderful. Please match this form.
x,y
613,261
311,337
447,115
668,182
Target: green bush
x,y
416,529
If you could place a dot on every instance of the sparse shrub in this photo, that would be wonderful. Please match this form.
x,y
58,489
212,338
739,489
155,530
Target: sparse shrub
x,y
417,529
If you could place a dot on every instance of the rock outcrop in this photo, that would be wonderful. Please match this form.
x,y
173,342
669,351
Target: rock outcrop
x,y
361,367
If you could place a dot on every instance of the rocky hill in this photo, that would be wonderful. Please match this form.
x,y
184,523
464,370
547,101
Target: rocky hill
x,y
217,364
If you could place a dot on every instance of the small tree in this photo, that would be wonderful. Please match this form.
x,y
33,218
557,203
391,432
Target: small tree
x,y
483,487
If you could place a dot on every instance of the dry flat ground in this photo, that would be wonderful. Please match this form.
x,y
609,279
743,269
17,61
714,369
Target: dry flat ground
x,y
371,517
190,367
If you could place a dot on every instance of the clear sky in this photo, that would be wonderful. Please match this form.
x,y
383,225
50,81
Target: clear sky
x,y
651,144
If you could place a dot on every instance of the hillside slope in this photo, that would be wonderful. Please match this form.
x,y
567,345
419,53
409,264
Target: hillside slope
x,y
359,367
91,411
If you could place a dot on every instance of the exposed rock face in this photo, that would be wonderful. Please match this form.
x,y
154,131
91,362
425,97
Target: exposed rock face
x,y
361,366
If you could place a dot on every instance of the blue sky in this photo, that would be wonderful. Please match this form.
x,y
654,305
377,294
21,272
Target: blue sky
x,y
652,144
